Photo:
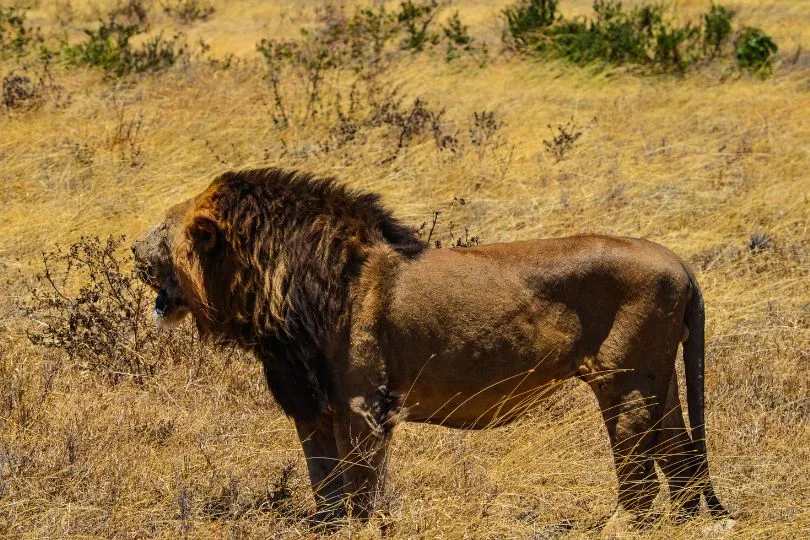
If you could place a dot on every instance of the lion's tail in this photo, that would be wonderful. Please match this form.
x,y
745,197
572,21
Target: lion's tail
x,y
694,360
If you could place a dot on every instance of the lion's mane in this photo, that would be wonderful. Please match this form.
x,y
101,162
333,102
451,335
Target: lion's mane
x,y
270,256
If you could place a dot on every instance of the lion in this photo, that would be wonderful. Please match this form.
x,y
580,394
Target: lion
x,y
360,327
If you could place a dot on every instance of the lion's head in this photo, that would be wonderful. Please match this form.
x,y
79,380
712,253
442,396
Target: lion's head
x,y
188,261
266,258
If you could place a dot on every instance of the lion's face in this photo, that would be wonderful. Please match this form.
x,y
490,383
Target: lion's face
x,y
155,265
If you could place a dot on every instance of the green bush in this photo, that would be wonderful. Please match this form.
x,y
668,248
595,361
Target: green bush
x,y
526,20
716,30
110,48
416,19
642,35
754,49
639,36
614,35
676,47
457,37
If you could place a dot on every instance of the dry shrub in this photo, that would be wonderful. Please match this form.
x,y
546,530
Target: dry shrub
x,y
189,11
20,92
87,304
431,231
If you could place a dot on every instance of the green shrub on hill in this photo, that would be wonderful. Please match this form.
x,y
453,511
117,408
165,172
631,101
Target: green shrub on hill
x,y
642,35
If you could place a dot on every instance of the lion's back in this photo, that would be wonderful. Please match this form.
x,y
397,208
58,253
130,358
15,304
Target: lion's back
x,y
622,261
467,292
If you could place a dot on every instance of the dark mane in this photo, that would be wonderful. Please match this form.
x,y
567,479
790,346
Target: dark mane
x,y
279,280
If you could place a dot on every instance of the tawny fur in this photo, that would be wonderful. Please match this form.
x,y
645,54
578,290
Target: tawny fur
x,y
359,326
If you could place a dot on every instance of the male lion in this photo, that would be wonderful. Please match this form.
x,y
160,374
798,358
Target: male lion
x,y
359,326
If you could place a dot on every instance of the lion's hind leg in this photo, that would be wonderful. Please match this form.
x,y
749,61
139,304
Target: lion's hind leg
x,y
686,470
631,413
676,455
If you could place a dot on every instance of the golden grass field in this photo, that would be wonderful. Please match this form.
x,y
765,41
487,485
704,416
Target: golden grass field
x,y
700,163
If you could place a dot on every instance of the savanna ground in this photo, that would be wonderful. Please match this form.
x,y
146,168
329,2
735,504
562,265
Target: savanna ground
x,y
155,435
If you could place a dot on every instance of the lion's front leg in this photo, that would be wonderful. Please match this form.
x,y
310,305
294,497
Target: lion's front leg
x,y
363,446
320,450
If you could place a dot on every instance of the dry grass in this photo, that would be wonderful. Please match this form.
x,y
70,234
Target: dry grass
x,y
699,164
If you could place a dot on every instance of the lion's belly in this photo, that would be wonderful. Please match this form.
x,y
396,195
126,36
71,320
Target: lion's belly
x,y
487,407
479,384
474,346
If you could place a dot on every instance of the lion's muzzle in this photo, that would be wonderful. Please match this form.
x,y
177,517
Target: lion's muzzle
x,y
153,266
162,303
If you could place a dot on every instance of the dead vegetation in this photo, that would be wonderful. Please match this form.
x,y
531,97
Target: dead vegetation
x,y
113,428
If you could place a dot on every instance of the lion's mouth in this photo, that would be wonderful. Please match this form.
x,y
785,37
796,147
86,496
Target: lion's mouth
x,y
168,308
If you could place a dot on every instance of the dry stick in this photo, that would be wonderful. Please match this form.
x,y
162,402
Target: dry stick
x,y
433,225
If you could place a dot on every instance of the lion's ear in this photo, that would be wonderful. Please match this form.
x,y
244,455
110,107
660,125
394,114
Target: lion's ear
x,y
204,233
